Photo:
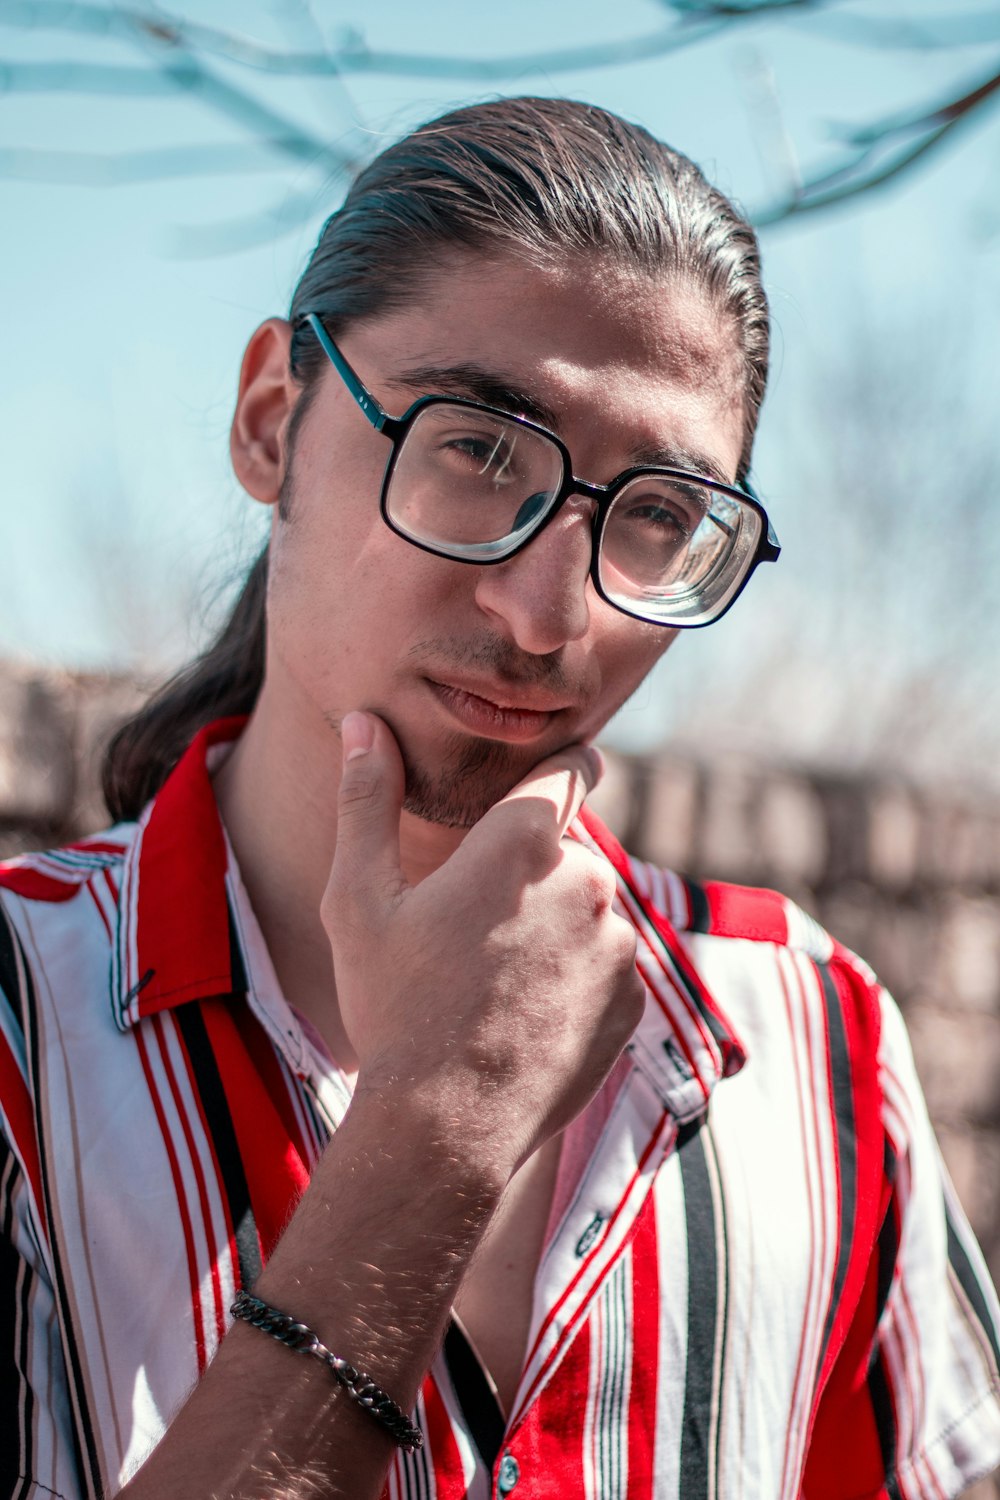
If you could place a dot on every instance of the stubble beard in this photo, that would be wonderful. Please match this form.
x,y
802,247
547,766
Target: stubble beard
x,y
471,774
470,778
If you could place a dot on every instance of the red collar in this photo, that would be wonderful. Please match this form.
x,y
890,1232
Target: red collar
x,y
173,925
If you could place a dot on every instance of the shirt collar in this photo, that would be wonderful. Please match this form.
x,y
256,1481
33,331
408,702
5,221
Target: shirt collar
x,y
685,1043
176,943
173,923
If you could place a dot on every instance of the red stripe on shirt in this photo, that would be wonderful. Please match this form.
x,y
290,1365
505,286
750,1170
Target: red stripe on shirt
x,y
449,1476
34,886
548,1445
182,1205
275,1174
21,1120
645,1355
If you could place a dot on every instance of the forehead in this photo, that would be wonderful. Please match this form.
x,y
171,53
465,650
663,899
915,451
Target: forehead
x,y
610,358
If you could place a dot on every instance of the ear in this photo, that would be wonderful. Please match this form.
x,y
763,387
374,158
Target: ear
x,y
267,396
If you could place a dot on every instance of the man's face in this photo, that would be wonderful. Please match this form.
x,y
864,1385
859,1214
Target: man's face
x,y
483,671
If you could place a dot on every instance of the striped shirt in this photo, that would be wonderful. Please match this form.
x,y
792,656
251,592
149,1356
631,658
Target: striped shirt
x,y
755,1284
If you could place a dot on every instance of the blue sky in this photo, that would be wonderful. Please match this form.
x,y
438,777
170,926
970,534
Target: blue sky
x,y
122,343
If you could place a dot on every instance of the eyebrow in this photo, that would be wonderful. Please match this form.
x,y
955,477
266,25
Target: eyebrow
x,y
495,389
489,386
675,456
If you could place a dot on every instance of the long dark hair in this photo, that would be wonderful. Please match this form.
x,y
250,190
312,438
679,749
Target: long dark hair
x,y
535,178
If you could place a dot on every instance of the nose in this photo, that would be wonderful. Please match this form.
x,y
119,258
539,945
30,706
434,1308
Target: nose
x,y
542,597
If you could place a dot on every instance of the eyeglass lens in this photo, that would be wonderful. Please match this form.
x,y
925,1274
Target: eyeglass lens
x,y
467,481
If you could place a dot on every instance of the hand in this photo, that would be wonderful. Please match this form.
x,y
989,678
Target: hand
x,y
499,991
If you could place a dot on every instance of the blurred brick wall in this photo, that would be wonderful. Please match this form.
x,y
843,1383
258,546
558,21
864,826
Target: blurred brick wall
x,y
907,877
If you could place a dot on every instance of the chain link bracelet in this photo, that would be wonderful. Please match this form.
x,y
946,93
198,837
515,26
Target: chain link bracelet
x,y
359,1387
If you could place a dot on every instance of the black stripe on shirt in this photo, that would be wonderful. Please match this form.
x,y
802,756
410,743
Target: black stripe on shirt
x,y
702,1301
701,916
220,1127
474,1394
847,1141
10,980
237,967
969,1282
723,1304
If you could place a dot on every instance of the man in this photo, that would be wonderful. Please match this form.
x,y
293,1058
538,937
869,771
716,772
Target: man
x,y
405,1060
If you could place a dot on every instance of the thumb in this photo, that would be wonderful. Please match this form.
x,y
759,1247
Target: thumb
x,y
366,859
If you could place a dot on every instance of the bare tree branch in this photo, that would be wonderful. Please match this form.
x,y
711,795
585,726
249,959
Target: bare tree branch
x,y
180,73
923,118
872,156
853,177
696,24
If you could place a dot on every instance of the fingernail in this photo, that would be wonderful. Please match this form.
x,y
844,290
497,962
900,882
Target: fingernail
x,y
357,733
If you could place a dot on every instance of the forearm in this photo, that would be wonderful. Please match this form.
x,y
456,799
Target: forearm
x,y
371,1260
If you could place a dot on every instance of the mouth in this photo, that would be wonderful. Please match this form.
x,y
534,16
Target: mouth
x,y
510,715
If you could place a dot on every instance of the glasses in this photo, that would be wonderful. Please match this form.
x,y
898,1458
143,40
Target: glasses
x,y
476,484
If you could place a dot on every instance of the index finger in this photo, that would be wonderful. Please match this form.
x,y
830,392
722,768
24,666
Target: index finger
x,y
563,781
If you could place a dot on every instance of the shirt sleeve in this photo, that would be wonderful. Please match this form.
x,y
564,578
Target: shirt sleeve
x,y
923,1401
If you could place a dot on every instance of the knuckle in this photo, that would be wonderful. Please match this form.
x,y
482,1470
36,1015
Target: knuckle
x,y
593,879
601,884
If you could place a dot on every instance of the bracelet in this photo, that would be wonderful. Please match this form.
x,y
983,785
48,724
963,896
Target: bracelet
x,y
358,1386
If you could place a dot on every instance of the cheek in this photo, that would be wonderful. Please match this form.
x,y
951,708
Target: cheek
x,y
625,661
637,654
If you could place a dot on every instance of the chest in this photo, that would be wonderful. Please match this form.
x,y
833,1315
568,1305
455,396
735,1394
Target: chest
x,y
496,1297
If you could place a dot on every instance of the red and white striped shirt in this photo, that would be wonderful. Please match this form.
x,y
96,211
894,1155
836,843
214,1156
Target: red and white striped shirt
x,y
756,1281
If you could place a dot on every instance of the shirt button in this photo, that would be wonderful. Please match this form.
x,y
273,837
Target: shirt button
x,y
508,1474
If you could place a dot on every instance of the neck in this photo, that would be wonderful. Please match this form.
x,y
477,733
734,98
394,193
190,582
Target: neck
x,y
277,794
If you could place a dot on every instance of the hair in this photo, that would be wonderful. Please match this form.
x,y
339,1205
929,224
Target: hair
x,y
538,179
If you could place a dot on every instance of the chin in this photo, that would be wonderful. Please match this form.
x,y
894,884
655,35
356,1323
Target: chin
x,y
470,777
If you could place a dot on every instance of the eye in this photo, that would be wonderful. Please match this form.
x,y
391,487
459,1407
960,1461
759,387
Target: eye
x,y
486,452
654,515
665,514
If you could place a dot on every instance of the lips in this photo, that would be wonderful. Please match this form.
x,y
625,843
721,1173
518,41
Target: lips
x,y
506,716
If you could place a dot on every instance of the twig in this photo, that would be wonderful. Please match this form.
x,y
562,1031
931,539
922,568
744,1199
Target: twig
x,y
849,180
356,57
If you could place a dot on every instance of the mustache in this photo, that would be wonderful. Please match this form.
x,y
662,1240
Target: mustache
x,y
501,659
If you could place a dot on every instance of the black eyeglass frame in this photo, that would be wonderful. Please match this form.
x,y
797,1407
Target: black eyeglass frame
x,y
768,548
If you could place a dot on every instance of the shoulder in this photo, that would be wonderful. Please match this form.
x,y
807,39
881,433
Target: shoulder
x,y
58,913
43,888
768,962
728,913
54,876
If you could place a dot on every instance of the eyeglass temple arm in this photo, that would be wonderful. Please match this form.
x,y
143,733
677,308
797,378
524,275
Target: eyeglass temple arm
x,y
375,414
771,550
